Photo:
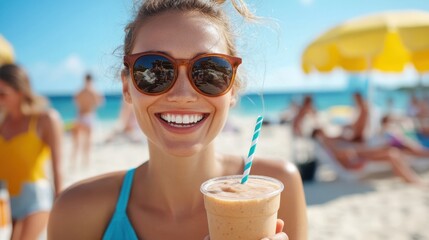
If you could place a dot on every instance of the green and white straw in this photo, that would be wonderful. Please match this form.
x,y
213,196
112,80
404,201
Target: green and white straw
x,y
249,159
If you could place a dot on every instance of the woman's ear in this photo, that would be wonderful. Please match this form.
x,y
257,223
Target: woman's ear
x,y
125,86
233,100
234,97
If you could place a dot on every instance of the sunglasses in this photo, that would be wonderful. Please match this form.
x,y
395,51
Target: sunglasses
x,y
154,73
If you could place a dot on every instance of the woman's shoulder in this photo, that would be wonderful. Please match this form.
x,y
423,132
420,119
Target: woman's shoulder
x,y
89,203
47,119
106,187
273,167
47,115
277,168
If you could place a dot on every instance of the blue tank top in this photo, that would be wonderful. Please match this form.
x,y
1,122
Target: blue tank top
x,y
120,226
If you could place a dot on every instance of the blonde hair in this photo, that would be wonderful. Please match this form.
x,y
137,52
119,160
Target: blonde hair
x,y
212,9
17,78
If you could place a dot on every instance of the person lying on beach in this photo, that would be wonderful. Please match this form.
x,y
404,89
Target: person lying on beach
x,y
161,198
396,137
354,156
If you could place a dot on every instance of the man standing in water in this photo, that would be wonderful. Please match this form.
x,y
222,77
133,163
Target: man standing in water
x,y
87,101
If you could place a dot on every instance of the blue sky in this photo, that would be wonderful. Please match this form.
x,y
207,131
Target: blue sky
x,y
59,41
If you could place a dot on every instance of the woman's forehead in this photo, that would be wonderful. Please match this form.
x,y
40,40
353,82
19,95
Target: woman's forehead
x,y
180,33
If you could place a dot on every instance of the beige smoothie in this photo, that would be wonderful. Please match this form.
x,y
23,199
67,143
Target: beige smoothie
x,y
241,211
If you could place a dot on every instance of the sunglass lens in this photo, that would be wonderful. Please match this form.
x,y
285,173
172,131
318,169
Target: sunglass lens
x,y
153,73
212,75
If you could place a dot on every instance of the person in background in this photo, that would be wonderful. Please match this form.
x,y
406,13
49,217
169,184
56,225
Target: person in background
x,y
354,156
289,113
390,107
128,125
354,132
30,135
87,100
306,110
357,130
418,111
181,109
396,136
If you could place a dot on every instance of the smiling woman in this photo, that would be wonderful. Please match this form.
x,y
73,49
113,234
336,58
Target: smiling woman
x,y
181,89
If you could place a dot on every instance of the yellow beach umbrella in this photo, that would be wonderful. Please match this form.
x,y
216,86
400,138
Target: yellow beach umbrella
x,y
6,51
385,41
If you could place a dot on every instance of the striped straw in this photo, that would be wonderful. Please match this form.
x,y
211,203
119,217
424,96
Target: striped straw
x,y
249,160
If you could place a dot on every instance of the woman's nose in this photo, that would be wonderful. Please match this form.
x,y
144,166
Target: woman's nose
x,y
182,91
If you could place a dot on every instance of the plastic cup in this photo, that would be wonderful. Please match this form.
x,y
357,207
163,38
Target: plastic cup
x,y
241,211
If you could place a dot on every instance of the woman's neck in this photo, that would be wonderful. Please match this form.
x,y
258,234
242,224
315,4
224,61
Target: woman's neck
x,y
173,183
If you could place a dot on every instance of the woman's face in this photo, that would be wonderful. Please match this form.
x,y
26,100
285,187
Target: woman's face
x,y
182,36
9,98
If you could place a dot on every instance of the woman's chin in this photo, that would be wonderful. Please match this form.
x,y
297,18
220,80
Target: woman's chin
x,y
185,150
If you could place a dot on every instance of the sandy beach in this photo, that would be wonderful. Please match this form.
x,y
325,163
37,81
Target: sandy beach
x,y
381,207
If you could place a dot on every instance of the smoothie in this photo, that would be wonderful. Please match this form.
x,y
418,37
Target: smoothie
x,y
241,211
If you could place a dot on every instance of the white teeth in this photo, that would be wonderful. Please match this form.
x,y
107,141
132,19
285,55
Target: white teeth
x,y
181,119
186,119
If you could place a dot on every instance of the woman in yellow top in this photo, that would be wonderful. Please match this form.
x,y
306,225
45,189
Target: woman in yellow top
x,y
30,134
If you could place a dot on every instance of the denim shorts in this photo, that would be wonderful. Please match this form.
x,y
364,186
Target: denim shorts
x,y
34,197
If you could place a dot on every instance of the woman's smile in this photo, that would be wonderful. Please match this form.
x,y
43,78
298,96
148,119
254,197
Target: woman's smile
x,y
176,121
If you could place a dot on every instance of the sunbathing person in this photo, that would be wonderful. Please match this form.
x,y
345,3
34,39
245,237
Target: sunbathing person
x,y
355,156
396,137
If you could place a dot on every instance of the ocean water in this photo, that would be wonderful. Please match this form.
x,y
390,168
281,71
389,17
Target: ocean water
x,y
267,104
272,104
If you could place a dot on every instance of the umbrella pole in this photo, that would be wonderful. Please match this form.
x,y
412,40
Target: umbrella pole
x,y
372,120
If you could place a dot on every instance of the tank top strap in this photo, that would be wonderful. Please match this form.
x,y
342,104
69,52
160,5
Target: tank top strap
x,y
121,205
32,126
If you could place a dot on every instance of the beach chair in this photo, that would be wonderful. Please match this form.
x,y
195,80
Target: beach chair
x,y
371,168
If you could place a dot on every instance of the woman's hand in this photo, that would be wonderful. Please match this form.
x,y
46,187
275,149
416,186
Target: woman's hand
x,y
279,234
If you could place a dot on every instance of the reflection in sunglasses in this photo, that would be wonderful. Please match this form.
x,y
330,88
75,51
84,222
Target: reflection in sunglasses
x,y
212,74
153,75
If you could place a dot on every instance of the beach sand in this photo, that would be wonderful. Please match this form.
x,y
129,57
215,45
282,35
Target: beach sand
x,y
381,207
